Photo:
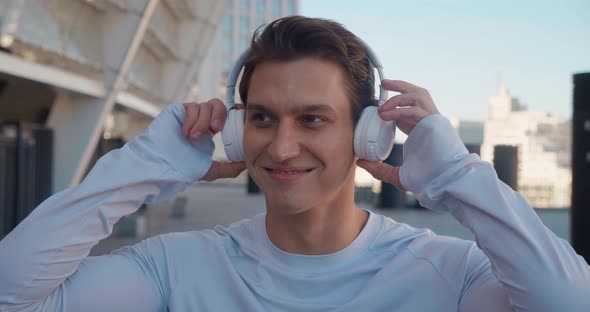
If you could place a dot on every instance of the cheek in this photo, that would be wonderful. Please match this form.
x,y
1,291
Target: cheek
x,y
255,144
336,150
251,145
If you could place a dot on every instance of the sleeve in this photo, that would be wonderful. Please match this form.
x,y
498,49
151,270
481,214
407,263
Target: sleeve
x,y
44,264
536,270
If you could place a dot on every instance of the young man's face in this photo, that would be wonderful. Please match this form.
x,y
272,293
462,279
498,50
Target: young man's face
x,y
299,133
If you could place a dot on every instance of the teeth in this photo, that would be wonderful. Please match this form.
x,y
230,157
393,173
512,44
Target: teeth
x,y
285,172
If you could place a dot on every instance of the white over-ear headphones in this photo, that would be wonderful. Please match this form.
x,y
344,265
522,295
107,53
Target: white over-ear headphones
x,y
373,137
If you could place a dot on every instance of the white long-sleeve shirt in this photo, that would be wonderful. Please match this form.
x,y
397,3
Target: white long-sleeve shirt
x,y
516,264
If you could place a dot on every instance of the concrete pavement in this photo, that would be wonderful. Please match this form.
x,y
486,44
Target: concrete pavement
x,y
208,205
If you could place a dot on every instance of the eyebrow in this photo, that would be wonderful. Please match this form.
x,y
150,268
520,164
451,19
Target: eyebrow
x,y
296,110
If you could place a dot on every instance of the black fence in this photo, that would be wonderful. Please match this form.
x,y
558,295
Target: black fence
x,y
103,146
580,216
391,196
506,164
26,154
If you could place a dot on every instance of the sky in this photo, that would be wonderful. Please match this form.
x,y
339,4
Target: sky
x,y
458,49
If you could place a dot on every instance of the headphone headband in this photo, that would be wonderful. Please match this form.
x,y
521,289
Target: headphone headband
x,y
232,78
373,137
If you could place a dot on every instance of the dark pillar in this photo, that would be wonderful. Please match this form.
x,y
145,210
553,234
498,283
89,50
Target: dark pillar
x,y
506,164
252,188
43,163
25,170
390,196
103,147
473,148
8,178
580,211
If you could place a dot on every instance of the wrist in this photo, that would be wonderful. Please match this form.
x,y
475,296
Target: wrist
x,y
164,141
432,147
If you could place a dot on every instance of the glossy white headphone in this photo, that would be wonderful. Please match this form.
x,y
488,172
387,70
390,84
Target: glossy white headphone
x,y
373,137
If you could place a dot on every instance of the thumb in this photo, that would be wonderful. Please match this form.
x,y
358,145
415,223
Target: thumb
x,y
382,172
220,170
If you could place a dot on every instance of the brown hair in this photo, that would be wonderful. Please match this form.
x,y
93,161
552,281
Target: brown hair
x,y
294,37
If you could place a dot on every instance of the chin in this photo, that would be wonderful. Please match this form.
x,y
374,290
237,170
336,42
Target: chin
x,y
286,206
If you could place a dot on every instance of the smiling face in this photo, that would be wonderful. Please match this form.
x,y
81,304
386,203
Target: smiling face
x,y
298,135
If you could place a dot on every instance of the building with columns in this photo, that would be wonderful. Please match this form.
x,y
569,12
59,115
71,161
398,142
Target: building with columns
x,y
89,69
543,147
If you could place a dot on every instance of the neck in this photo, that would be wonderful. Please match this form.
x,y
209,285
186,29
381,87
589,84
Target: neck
x,y
323,229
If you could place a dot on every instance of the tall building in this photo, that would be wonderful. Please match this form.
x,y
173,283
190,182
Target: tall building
x,y
544,148
240,19
80,66
470,132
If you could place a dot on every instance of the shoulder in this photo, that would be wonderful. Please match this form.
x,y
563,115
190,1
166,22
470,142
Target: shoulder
x,y
451,257
419,240
220,238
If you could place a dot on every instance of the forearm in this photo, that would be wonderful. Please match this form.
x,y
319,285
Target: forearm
x,y
536,268
47,247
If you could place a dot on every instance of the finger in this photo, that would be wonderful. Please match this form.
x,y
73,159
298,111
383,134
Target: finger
x,y
413,113
406,125
218,115
399,86
220,170
239,106
405,99
201,126
192,113
382,172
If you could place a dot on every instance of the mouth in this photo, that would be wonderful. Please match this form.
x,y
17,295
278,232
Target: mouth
x,y
286,174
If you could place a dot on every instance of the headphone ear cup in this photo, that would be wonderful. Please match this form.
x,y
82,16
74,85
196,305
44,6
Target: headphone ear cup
x,y
359,134
233,135
373,137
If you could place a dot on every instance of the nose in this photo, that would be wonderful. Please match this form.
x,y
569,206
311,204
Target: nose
x,y
285,143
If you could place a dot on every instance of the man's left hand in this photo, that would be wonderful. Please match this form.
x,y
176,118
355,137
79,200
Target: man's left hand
x,y
407,109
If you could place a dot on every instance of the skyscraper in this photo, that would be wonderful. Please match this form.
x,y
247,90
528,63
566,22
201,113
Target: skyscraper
x,y
543,142
240,20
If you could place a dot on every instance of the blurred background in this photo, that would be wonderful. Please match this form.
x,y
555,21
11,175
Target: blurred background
x,y
79,78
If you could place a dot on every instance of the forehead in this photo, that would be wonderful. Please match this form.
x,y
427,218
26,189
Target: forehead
x,y
284,86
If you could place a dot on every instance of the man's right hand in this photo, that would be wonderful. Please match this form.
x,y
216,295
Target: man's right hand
x,y
208,118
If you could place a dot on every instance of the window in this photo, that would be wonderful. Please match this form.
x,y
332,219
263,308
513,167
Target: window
x,y
276,8
226,45
245,5
260,7
244,24
226,23
244,43
290,7
260,21
227,66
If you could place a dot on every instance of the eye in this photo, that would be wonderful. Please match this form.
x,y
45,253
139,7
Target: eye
x,y
311,119
260,119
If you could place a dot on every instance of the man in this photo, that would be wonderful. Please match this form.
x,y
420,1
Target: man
x,y
303,87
